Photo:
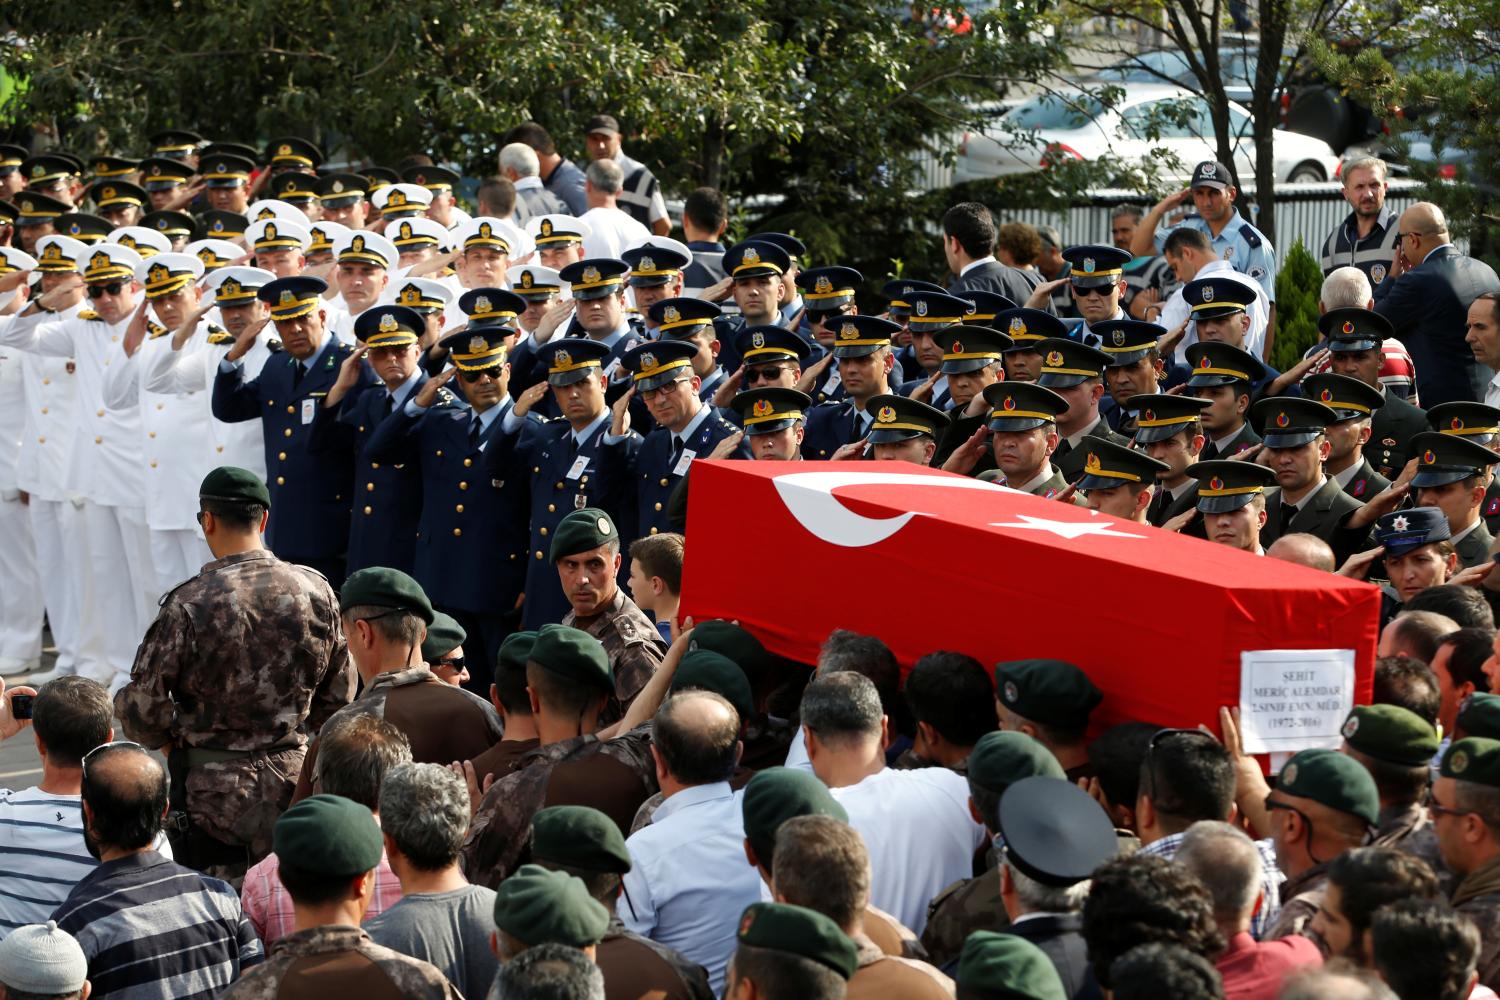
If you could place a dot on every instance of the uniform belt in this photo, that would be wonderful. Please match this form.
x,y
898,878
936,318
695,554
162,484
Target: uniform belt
x,y
198,756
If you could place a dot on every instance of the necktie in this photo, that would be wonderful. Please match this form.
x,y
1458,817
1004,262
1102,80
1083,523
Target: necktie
x,y
297,372
474,425
390,404
1158,506
676,454
1288,511
1063,447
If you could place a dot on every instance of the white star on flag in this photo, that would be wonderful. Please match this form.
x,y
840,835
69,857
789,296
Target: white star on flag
x,y
1065,529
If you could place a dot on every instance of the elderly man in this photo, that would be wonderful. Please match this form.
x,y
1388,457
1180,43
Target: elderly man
x,y
520,165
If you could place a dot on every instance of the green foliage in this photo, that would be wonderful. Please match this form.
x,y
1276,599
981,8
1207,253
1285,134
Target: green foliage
x,y
1297,286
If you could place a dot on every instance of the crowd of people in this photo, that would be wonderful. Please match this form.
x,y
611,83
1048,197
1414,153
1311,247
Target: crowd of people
x,y
363,518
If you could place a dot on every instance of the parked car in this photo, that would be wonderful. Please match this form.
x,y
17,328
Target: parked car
x,y
1045,128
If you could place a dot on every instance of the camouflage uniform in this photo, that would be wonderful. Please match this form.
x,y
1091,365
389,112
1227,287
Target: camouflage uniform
x,y
246,659
1411,830
340,961
637,966
1300,898
1478,898
960,910
634,647
577,771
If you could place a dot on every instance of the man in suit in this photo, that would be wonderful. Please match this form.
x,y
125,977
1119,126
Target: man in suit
x,y
310,493
1354,338
1225,376
1075,372
1304,499
1055,835
1452,474
969,245
1426,296
1354,402
1169,429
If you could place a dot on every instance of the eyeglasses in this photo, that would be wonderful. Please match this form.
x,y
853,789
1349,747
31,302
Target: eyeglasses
x,y
99,291
765,373
456,662
823,315
1102,290
1436,808
106,747
671,387
491,373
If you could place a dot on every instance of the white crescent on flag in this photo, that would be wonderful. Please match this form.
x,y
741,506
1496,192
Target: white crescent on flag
x,y
809,497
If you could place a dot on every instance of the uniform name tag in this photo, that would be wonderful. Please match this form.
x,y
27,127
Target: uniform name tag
x,y
686,460
579,464
611,368
834,381
309,410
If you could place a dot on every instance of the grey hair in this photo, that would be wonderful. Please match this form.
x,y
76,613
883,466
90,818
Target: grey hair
x,y
549,972
1038,898
1345,288
521,158
425,809
843,705
1345,983
606,176
1372,163
1226,862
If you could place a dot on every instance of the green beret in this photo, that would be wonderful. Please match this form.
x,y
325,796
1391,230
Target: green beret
x,y
330,835
1000,759
383,587
1332,779
1480,716
1473,759
581,531
776,795
536,906
1006,967
701,668
735,642
1391,733
444,635
514,652
237,485
574,654
578,837
796,930
1049,692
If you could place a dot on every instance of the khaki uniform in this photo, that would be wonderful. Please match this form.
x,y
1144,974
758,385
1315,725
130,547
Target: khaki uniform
x,y
1300,899
636,967
338,961
634,647
1478,898
881,976
242,663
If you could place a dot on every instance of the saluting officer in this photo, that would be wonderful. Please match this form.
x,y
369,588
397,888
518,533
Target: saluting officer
x,y
1354,402
865,358
1480,424
1027,328
773,417
1354,339
692,321
972,361
559,458
1225,376
897,293
1096,281
341,198
772,356
309,492
1135,367
904,430
1232,502
1452,473
656,273
1119,480
1305,500
1013,443
1169,429
829,294
1075,371
471,541
932,312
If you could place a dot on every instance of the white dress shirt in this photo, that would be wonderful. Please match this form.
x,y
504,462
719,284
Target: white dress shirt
x,y
1176,310
690,882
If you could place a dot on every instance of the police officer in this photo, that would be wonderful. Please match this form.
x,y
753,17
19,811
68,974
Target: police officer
x,y
1479,423
1027,328
1169,429
1013,442
1305,499
904,430
236,733
1075,371
1119,480
1452,474
309,492
1225,376
560,460
471,541
1354,402
866,358
686,429
1231,501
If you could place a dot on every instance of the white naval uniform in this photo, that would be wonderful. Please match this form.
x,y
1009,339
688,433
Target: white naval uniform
x,y
58,529
107,469
20,588
175,446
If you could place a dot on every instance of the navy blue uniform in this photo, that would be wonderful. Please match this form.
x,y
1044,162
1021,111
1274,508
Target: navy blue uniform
x,y
830,426
542,453
650,464
387,496
471,540
310,493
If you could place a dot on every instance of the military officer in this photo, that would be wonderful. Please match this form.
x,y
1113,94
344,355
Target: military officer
x,y
400,200
1135,367
85,228
773,418
279,247
37,213
12,180
1354,402
539,287
772,356
341,198
226,180
1479,423
829,294
365,261
167,183
686,428
791,304
442,182
177,227
559,239
932,312
176,144
692,321
322,237
1225,376
310,493
471,539
559,458
1013,443
972,360
598,291
656,273
1354,339
298,190
904,430
1027,328
1169,429
897,294
281,668
118,202
55,175
1452,473
1231,501
1096,282
1119,480
119,168
1305,498
218,225
1220,309
1075,371
866,358
384,532
758,274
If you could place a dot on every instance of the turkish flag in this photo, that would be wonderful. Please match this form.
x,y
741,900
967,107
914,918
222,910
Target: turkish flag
x,y
927,560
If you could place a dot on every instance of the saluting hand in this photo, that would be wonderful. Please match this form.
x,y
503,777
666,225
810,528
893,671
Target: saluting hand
x,y
556,314
1386,500
14,280
427,395
814,372
183,333
619,425
850,451
1357,566
718,291
923,392
725,393
728,446
1042,294
967,455
1181,520
1474,575
135,332
529,398
23,292
349,373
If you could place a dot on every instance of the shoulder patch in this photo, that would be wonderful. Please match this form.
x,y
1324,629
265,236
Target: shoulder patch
x,y
88,314
156,329
1250,235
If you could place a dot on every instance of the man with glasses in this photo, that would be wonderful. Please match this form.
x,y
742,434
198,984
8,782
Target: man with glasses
x,y
235,736
771,357
309,492
1465,806
54,176
1096,282
1324,803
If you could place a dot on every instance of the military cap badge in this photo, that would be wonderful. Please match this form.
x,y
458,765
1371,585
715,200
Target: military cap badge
x,y
822,286
1457,423
526,279
478,345
1205,362
388,324
848,332
1009,404
546,227
752,256
230,287
38,170
486,230
1400,523
207,256
158,273
1119,338
590,274
646,264
958,347
1017,326
1351,726
288,297
269,233
482,304
406,230
1088,265
1282,419
1208,293
604,526
1348,327
670,314
757,339
75,229
52,253
562,359
1289,775
107,193
1092,464
264,214
409,296
1215,483
922,308
1428,458
1326,395
648,360
1054,359
762,408
357,244
285,149
338,186
1459,762
1148,414
1012,693
886,415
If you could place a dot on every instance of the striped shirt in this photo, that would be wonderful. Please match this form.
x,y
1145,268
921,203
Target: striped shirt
x,y
42,854
1371,253
154,930
1270,878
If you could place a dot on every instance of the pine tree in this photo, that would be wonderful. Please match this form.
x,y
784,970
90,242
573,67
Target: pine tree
x,y
1297,287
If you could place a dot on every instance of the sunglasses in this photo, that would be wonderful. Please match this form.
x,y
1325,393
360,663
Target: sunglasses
x,y
823,316
1101,291
490,373
456,662
99,291
1438,809
765,373
105,748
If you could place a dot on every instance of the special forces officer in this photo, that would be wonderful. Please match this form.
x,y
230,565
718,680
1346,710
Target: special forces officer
x,y
236,734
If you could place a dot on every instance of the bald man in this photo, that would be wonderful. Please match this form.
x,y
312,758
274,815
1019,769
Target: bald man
x,y
1426,295
1304,549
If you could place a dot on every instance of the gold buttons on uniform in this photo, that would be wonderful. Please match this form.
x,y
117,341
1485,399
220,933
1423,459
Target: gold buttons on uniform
x,y
559,485
99,414
458,508
361,428
153,465
287,432
457,532
440,453
665,481
368,509
291,409
369,487
658,506
151,434
281,456
468,462
374,465
161,406
544,532
280,480
463,486
219,448
41,440
539,553
98,440
552,508
44,410
653,531
535,469
46,381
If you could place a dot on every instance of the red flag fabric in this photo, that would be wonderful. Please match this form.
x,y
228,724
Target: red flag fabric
x,y
928,560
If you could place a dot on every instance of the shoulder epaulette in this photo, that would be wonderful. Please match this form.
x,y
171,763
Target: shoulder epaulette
x,y
445,397
274,346
88,314
219,335
1250,235
156,329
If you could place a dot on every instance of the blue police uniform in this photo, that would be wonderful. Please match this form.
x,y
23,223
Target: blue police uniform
x,y
1245,248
